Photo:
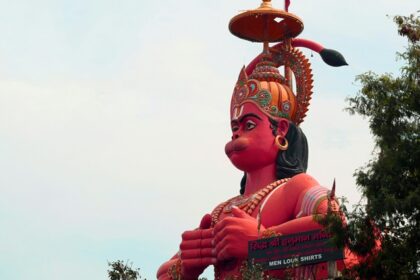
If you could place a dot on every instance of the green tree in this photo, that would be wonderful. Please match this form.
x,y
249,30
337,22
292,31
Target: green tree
x,y
390,182
123,271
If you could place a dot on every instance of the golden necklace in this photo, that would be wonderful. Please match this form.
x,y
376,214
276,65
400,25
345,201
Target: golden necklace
x,y
245,203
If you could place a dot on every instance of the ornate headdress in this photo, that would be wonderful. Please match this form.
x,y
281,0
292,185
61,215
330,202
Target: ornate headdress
x,y
261,82
269,90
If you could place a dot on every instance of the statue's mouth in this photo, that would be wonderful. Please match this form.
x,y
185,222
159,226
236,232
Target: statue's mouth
x,y
236,145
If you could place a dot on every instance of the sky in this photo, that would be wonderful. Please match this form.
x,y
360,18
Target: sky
x,y
114,116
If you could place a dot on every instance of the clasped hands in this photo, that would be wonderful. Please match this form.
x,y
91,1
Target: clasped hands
x,y
227,240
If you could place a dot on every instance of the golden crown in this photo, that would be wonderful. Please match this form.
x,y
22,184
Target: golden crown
x,y
261,83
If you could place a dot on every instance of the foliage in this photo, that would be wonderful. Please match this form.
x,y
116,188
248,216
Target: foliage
x,y
390,182
251,271
255,271
122,271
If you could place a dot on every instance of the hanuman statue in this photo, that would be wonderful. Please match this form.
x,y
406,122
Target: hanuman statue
x,y
276,196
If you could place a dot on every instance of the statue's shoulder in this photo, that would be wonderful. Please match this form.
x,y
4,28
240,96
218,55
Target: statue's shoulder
x,y
310,194
288,194
301,182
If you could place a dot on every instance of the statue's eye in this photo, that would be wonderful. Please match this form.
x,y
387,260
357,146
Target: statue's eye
x,y
235,128
250,125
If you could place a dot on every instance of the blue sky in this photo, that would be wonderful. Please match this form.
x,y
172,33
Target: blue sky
x,y
114,116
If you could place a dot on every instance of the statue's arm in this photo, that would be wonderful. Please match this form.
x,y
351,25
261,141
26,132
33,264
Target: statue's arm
x,y
162,273
231,235
311,201
294,226
195,255
175,268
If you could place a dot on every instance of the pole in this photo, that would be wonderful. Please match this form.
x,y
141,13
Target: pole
x,y
332,269
287,71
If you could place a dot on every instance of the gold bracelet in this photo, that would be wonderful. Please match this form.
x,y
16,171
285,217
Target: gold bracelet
x,y
269,233
174,271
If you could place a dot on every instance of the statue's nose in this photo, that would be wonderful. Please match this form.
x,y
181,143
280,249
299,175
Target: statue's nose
x,y
235,136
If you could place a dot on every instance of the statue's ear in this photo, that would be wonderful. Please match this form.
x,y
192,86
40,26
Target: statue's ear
x,y
243,77
282,127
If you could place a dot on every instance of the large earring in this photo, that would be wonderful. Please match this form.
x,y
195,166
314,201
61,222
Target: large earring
x,y
280,146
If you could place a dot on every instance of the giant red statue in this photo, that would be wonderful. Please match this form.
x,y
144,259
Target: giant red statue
x,y
276,196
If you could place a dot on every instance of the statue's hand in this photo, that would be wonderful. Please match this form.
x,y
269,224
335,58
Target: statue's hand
x,y
196,249
231,235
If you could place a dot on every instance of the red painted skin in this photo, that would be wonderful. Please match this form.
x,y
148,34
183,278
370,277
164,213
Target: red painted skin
x,y
225,246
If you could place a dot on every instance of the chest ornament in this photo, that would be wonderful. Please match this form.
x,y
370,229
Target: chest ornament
x,y
246,203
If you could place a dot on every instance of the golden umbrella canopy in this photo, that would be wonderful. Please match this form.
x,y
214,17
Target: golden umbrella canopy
x,y
266,24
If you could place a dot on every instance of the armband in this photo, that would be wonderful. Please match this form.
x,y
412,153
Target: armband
x,y
311,200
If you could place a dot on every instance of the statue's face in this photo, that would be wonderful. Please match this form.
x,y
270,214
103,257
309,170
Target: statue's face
x,y
252,146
